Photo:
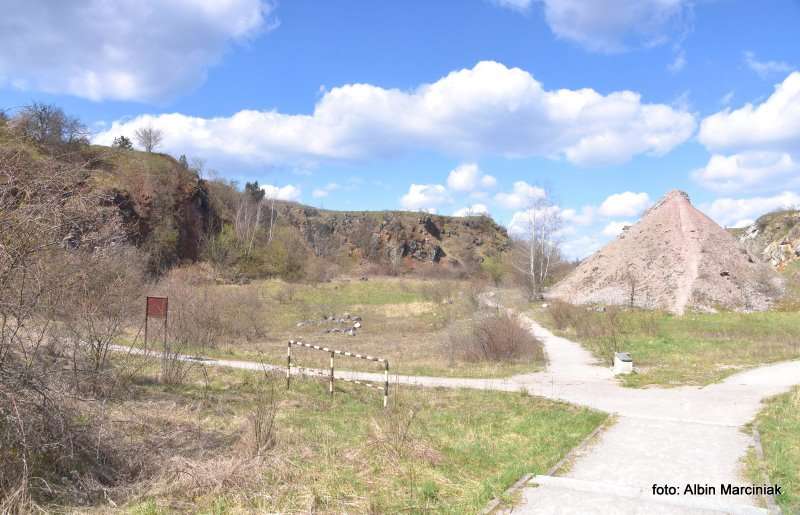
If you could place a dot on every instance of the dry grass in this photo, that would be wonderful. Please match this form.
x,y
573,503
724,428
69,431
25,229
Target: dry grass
x,y
404,320
431,451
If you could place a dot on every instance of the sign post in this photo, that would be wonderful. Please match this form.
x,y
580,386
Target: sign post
x,y
156,307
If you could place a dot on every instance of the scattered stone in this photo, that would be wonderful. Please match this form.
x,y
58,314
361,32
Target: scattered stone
x,y
351,332
357,325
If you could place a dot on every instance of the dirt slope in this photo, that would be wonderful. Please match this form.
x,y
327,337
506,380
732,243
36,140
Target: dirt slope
x,y
674,258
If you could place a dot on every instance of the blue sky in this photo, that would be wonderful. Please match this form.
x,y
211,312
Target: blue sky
x,y
602,105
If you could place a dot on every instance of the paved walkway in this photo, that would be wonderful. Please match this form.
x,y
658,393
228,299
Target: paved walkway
x,y
674,436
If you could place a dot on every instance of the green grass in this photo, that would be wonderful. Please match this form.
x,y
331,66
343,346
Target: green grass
x,y
694,349
779,425
347,454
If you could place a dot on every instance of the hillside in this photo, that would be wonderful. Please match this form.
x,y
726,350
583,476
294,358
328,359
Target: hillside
x,y
163,207
774,237
392,236
675,258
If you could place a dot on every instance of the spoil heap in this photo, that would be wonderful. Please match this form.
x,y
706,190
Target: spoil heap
x,y
675,258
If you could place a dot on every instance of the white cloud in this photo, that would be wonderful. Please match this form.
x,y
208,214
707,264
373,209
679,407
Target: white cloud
x,y
125,50
732,212
772,125
487,110
624,204
679,63
522,221
756,147
614,25
425,197
765,68
748,171
473,210
488,181
584,217
522,195
581,247
613,229
288,192
467,177
325,190
727,98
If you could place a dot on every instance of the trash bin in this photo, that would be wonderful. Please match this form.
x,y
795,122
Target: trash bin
x,y
623,363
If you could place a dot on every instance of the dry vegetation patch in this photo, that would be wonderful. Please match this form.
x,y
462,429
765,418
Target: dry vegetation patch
x,y
407,321
431,450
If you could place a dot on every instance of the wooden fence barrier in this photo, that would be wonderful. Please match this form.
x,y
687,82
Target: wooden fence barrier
x,y
334,352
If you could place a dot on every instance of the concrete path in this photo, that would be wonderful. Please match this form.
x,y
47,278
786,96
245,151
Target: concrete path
x,y
674,436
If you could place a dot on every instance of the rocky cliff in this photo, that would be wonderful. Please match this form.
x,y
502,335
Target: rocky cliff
x,y
395,236
774,237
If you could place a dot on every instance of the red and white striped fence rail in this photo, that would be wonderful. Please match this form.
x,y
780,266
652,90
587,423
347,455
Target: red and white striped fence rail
x,y
334,352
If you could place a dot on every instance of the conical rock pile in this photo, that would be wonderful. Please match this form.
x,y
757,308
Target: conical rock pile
x,y
675,258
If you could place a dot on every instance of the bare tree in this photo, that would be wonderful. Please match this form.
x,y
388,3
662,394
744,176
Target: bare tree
x,y
538,248
248,215
149,137
48,124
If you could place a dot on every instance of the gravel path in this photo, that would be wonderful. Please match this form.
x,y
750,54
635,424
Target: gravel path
x,y
674,436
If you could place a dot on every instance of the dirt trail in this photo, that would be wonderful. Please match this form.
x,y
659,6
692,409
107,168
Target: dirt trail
x,y
691,258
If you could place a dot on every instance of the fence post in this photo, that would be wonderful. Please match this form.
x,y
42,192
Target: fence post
x,y
385,383
331,387
288,362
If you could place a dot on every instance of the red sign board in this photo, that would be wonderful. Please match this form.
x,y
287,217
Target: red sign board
x,y
157,307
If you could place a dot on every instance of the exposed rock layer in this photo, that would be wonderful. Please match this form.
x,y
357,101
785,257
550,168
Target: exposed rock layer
x,y
774,237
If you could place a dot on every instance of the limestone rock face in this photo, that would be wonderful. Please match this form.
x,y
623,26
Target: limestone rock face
x,y
675,258
774,237
413,238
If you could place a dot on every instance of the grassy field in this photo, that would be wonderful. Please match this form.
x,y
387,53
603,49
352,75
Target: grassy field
x,y
779,425
695,349
407,321
443,451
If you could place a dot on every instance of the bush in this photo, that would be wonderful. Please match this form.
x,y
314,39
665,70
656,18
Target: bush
x,y
495,269
202,316
498,336
564,314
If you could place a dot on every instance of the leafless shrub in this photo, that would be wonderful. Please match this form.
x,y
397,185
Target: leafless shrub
x,y
496,336
203,317
48,124
609,340
564,314
318,270
175,368
100,304
261,419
